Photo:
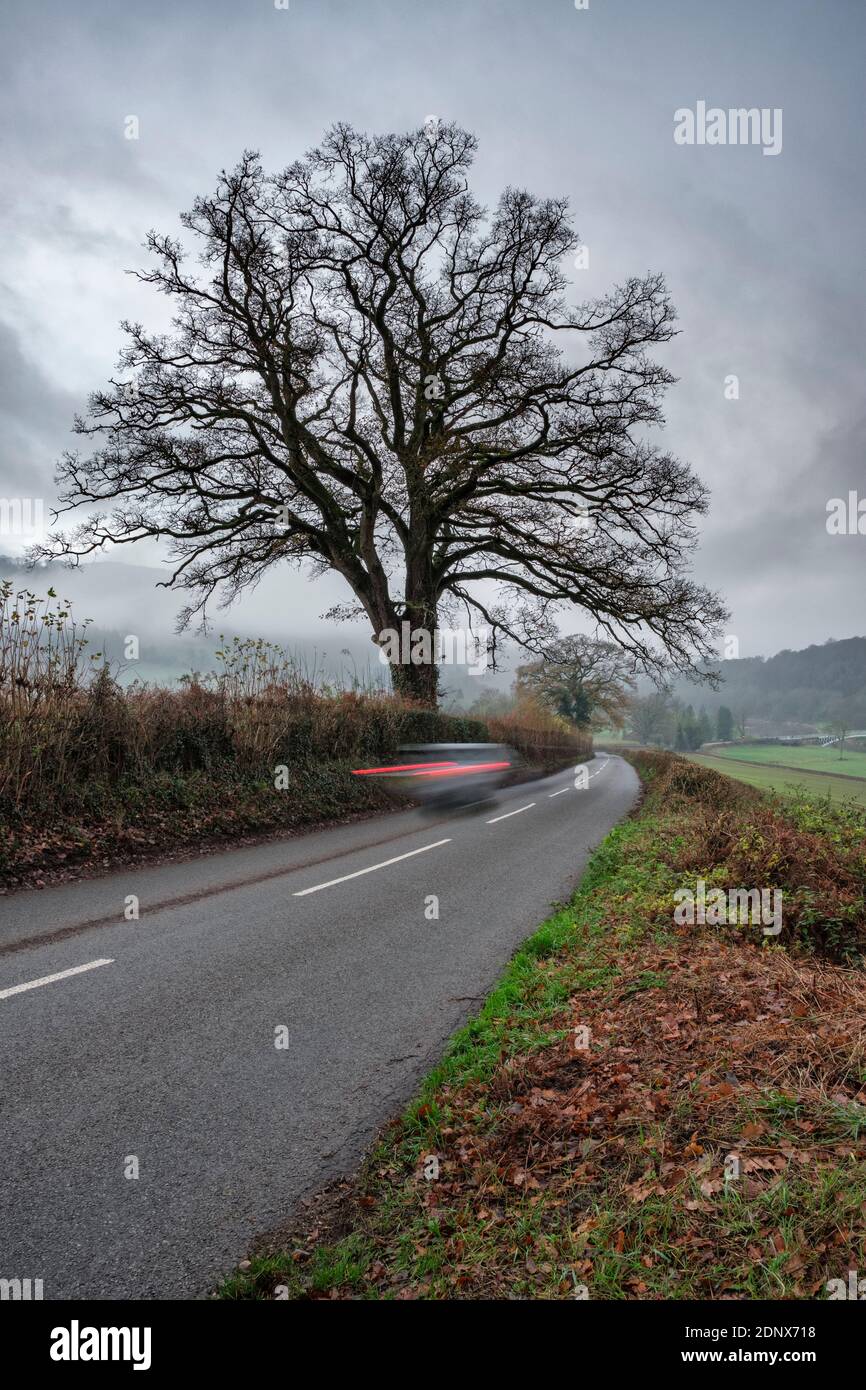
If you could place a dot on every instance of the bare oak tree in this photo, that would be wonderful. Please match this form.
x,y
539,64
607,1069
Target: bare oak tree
x,y
367,376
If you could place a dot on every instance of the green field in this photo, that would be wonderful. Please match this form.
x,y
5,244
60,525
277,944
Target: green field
x,y
613,738
783,780
811,759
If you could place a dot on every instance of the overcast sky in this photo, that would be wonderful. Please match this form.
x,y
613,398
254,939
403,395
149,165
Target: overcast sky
x,y
763,254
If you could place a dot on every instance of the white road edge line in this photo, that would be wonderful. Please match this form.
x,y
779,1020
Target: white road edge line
x,y
359,872
49,979
527,807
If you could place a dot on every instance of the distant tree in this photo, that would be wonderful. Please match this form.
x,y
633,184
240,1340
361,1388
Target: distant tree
x,y
366,378
705,728
652,719
492,704
691,730
584,680
742,719
841,723
687,723
724,725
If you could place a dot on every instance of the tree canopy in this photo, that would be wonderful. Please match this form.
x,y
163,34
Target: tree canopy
x,y
370,373
584,680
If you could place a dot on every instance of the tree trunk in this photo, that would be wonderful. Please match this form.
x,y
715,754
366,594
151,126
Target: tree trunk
x,y
419,679
416,682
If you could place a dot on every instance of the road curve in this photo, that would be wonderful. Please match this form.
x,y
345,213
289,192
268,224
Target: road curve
x,y
154,1040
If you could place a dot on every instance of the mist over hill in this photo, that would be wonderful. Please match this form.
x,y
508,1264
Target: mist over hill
x,y
816,685
122,600
119,600
811,686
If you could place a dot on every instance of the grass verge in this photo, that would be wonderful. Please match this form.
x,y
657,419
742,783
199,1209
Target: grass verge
x,y
639,1110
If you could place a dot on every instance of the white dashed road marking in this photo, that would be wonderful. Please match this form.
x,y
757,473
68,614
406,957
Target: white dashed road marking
x,y
527,807
49,979
589,779
360,872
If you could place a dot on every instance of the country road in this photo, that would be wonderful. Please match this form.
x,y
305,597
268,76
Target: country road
x,y
155,1039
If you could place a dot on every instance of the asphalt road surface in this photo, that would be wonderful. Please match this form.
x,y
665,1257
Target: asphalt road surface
x,y
152,1042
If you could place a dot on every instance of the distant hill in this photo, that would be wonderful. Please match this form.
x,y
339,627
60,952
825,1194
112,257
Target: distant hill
x,y
811,686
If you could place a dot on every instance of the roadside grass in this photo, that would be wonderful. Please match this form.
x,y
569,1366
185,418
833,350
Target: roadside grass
x,y
705,1137
783,781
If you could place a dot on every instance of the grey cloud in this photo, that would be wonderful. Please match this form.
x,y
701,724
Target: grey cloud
x,y
763,255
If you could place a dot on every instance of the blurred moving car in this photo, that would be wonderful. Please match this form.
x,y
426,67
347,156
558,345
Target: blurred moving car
x,y
447,775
